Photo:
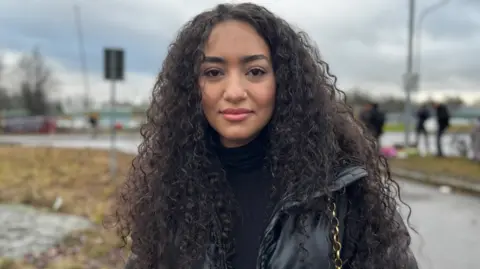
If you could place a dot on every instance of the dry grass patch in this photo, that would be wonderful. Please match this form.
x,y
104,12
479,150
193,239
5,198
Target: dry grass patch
x,y
452,166
37,176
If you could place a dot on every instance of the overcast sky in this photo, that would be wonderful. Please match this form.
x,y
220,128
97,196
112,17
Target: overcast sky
x,y
363,41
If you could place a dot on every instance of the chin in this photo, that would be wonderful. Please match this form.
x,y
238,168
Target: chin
x,y
236,138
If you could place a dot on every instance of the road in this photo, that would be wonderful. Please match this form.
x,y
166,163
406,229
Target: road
x,y
448,224
448,227
126,140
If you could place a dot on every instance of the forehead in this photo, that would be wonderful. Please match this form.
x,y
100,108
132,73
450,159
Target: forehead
x,y
235,39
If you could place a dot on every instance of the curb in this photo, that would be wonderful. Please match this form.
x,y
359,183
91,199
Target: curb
x,y
3,143
435,180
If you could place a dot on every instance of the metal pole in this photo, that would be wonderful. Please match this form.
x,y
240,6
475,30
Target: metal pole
x,y
418,38
408,105
113,150
83,58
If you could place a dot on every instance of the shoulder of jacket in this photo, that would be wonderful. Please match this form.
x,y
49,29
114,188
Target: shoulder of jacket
x,y
347,176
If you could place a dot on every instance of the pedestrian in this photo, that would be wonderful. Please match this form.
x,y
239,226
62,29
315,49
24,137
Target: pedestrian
x,y
365,114
423,114
93,120
475,137
376,122
443,122
250,159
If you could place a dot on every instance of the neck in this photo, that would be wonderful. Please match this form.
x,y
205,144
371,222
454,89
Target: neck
x,y
248,156
235,144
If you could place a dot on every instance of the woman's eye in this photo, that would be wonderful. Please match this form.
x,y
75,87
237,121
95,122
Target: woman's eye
x,y
256,72
213,73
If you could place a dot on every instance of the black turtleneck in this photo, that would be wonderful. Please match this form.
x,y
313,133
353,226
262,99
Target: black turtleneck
x,y
251,185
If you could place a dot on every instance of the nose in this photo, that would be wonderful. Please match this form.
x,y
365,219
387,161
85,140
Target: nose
x,y
234,89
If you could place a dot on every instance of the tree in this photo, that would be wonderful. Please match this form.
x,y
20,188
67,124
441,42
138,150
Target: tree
x,y
476,103
36,83
392,104
6,99
454,102
358,97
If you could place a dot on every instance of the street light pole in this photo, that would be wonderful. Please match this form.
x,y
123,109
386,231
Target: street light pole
x,y
408,75
418,37
83,57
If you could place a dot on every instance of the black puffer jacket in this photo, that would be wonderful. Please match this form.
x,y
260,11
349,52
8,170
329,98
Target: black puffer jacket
x,y
280,245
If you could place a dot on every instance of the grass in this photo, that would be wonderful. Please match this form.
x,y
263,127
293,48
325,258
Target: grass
x,y
394,127
400,127
36,176
452,166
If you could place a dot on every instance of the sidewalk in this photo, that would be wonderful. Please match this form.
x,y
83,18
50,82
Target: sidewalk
x,y
459,184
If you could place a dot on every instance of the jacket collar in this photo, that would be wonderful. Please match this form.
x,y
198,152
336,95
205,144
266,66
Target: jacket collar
x,y
346,177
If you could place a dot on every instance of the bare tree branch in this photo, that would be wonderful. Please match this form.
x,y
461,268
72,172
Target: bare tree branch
x,y
36,83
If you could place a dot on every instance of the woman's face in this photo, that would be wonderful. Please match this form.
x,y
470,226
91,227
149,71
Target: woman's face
x,y
237,83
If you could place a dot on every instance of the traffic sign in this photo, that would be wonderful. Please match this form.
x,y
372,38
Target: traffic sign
x,y
113,71
113,64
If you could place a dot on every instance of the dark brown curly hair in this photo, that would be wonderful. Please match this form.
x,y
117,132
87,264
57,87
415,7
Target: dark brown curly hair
x,y
172,192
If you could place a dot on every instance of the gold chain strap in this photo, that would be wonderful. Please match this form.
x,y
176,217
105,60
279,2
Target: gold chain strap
x,y
336,245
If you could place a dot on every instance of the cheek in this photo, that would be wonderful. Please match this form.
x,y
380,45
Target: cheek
x,y
266,98
209,100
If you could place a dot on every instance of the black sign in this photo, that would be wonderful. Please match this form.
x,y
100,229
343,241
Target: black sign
x,y
113,64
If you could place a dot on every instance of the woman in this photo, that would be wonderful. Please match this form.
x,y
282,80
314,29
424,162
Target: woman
x,y
251,160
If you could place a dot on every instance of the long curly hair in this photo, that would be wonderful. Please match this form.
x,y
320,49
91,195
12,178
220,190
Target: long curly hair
x,y
173,196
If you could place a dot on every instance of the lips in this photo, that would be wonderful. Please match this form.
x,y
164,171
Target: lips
x,y
236,111
236,114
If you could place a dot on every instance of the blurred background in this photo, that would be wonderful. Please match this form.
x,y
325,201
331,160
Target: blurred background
x,y
68,134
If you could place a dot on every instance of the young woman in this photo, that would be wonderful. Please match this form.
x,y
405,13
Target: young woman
x,y
251,158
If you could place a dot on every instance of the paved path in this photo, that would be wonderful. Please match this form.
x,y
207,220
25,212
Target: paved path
x,y
126,140
448,227
448,146
448,224
25,230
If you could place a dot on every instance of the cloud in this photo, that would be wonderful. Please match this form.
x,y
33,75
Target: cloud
x,y
363,41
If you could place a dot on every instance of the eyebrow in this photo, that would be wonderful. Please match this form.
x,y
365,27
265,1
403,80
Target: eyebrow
x,y
244,59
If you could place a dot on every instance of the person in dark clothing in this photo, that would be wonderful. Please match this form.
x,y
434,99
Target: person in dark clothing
x,y
365,115
377,121
443,122
250,159
423,114
93,120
